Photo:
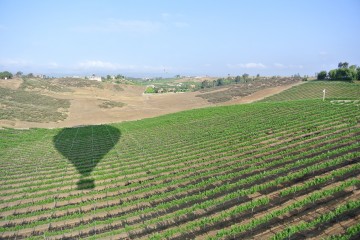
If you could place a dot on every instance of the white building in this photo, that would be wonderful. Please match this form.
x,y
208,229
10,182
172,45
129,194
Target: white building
x,y
94,78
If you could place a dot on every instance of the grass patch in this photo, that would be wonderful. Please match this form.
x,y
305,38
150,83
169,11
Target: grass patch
x,y
43,84
111,104
77,82
30,106
117,88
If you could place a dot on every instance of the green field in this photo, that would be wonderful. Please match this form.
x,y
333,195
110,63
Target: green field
x,y
268,170
314,90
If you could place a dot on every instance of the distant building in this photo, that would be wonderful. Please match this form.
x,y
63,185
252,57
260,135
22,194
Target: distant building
x,y
40,76
94,78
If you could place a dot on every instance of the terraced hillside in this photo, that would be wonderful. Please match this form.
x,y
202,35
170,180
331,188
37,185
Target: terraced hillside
x,y
284,170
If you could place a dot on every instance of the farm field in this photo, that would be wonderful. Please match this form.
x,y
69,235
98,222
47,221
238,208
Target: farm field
x,y
68,102
267,170
314,90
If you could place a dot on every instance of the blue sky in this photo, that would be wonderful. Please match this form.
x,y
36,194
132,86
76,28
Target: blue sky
x,y
165,38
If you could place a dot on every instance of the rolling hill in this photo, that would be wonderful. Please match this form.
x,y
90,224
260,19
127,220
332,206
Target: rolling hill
x,y
266,170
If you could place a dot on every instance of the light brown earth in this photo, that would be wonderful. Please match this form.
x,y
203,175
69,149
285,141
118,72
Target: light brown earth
x,y
85,110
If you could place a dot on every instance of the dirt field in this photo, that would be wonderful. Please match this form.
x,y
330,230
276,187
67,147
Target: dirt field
x,y
85,101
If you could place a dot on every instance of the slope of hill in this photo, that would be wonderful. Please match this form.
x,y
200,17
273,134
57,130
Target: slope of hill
x,y
85,102
264,170
19,105
314,90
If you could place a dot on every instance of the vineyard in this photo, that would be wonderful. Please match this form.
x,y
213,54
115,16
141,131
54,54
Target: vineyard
x,y
314,90
269,170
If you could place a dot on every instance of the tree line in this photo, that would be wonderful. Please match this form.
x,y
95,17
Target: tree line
x,y
343,72
225,81
9,75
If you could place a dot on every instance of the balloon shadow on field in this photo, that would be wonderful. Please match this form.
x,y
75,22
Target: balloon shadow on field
x,y
84,147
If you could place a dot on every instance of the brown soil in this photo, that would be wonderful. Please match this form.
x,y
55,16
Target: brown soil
x,y
85,109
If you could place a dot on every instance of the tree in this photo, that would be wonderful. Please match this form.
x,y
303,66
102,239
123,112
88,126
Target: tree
x,y
205,84
353,72
343,74
19,74
343,65
6,75
321,75
297,75
30,75
108,77
332,74
245,76
119,76
237,79
220,82
358,73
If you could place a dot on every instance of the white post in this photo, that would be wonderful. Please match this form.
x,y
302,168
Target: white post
x,y
324,91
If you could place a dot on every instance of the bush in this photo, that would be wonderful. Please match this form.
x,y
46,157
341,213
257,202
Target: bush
x,y
150,90
321,75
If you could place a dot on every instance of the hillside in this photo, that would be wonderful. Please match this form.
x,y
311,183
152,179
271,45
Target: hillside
x,y
68,102
314,90
264,170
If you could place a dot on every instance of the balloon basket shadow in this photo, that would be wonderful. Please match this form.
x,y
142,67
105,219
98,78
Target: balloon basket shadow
x,y
85,184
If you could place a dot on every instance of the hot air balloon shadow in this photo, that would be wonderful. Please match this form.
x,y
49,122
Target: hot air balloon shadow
x,y
84,147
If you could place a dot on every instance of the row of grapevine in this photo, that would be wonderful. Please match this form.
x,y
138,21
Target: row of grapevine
x,y
230,172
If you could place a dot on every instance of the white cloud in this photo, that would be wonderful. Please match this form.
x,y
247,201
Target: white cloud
x,y
100,65
14,63
22,64
110,66
290,66
118,25
279,65
247,65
